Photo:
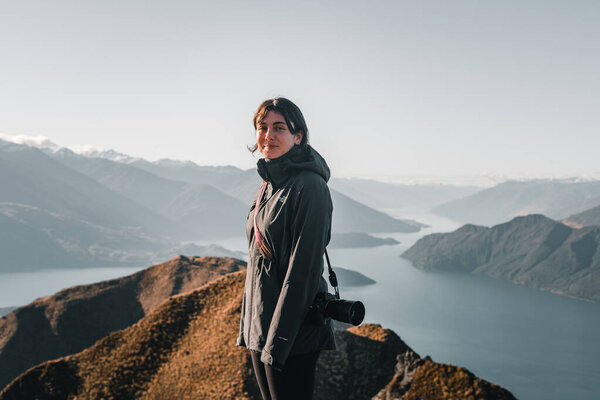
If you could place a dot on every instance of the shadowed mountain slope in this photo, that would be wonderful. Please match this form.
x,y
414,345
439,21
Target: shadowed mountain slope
x,y
75,318
533,250
554,198
67,210
53,240
586,218
62,218
30,177
351,216
236,182
185,349
190,205
215,197
382,195
17,237
348,215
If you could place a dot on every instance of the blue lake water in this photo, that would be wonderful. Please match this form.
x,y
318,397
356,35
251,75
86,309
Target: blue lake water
x,y
20,288
536,344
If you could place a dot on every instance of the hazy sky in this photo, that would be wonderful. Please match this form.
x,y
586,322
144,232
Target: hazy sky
x,y
394,88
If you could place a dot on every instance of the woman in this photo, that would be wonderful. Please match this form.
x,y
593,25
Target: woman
x,y
288,227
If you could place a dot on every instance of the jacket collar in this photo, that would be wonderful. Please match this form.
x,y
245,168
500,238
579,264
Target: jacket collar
x,y
300,157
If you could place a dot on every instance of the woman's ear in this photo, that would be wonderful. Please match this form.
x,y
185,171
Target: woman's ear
x,y
298,137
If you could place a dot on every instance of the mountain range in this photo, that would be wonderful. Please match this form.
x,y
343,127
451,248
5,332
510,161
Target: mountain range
x,y
184,348
584,218
554,198
67,210
349,214
384,195
191,206
532,250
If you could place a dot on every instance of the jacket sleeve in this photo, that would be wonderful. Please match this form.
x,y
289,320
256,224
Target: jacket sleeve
x,y
310,234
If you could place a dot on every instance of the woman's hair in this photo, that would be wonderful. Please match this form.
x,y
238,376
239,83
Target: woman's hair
x,y
291,113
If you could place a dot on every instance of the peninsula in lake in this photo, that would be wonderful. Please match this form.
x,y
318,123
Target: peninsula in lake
x,y
348,277
353,240
532,250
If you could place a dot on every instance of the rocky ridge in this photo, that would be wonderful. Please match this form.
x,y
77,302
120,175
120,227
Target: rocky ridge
x,y
185,349
74,318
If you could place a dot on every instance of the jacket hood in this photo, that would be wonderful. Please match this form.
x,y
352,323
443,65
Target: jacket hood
x,y
299,158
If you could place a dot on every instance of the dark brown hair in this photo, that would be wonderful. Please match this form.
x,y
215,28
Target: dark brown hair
x,y
291,113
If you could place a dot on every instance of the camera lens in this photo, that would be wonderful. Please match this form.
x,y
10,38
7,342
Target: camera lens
x,y
351,312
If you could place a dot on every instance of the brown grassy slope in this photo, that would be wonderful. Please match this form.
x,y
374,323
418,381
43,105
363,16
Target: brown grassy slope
x,y
75,318
447,382
185,349
423,379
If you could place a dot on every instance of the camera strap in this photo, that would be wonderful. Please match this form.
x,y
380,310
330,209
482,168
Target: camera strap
x,y
332,276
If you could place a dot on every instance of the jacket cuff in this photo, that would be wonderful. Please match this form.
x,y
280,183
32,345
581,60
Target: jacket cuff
x,y
240,341
266,358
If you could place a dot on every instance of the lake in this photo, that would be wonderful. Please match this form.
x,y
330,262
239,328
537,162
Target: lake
x,y
536,344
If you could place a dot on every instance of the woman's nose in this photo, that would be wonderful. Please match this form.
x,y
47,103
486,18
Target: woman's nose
x,y
270,133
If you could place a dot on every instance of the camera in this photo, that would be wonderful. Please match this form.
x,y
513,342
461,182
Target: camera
x,y
327,305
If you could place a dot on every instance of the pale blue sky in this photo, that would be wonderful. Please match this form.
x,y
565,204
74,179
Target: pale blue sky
x,y
442,88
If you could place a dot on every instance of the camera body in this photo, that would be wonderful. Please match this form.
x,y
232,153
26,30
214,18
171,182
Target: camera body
x,y
327,305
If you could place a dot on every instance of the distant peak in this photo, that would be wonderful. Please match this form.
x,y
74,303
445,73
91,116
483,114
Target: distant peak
x,y
41,142
173,163
98,152
531,218
44,143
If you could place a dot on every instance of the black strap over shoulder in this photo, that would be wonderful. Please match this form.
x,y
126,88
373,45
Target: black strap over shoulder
x,y
332,277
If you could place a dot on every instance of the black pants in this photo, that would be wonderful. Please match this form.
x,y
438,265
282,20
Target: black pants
x,y
295,381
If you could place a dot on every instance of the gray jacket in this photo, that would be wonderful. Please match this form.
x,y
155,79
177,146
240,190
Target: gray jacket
x,y
294,218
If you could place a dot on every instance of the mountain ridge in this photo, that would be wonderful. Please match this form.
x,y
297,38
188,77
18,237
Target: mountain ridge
x,y
185,349
76,317
552,197
585,218
65,209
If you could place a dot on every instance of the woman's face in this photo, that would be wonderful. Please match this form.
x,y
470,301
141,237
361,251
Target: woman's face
x,y
273,136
